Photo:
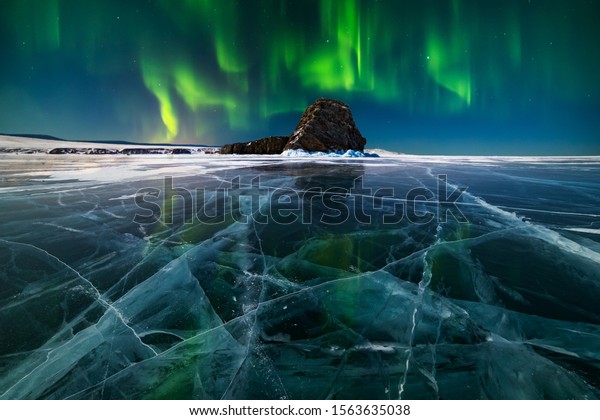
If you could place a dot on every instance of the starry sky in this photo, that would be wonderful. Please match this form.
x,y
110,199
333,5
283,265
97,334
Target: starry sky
x,y
426,76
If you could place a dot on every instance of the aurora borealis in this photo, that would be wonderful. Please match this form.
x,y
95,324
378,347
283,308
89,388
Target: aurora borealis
x,y
466,77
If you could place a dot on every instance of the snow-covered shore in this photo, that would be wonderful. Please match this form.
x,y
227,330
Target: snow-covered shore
x,y
13,144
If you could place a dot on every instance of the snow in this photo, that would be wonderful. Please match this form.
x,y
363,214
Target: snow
x,y
32,145
334,154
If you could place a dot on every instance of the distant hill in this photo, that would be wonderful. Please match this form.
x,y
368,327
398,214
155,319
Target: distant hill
x,y
133,143
33,136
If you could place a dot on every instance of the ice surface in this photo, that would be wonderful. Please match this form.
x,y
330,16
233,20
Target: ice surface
x,y
93,305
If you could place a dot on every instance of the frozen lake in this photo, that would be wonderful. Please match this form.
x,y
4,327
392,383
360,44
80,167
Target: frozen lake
x,y
208,276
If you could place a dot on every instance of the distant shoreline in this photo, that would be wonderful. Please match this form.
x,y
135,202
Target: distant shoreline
x,y
117,142
11,144
49,145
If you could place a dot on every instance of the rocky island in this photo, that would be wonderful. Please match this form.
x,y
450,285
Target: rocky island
x,y
326,126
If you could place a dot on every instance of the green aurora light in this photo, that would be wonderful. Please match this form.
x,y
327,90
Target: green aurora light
x,y
218,71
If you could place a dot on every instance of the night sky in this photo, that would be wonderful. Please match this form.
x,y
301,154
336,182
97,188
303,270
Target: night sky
x,y
435,77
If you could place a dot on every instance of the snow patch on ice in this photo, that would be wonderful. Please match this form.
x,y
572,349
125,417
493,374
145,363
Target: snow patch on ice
x,y
337,153
383,153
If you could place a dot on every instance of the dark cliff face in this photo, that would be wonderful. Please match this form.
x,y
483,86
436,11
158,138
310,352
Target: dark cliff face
x,y
326,125
268,146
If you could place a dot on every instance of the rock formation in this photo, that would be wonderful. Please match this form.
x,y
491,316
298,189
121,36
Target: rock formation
x,y
126,151
81,151
267,146
327,125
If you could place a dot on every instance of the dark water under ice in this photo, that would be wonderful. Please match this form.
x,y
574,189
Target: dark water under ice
x,y
504,303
